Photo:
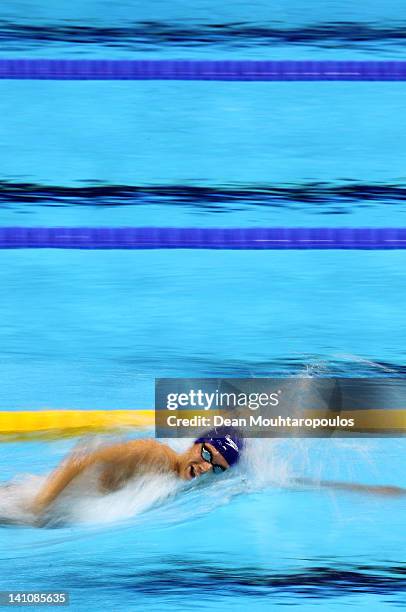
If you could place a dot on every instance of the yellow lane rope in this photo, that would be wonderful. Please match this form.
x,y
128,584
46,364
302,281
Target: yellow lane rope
x,y
63,423
60,423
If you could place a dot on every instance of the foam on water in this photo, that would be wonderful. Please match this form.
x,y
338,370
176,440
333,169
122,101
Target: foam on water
x,y
16,497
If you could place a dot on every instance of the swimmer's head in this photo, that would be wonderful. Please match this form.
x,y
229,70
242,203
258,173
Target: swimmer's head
x,y
215,451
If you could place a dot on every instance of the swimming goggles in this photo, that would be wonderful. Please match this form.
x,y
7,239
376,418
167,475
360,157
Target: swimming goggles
x,y
207,455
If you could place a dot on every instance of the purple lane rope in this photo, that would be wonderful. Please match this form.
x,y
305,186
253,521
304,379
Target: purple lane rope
x,y
202,70
201,238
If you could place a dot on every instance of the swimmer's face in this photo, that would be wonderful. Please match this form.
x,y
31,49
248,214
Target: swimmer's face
x,y
193,464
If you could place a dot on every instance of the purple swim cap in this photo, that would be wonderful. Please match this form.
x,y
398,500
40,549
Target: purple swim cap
x,y
226,441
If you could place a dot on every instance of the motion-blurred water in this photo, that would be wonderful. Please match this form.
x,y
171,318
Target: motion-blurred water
x,y
248,538
177,29
93,329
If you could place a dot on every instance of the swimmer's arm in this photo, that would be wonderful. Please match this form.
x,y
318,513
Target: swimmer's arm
x,y
349,486
116,456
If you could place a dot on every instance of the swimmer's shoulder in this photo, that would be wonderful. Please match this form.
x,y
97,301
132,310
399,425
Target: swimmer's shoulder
x,y
152,451
138,455
148,444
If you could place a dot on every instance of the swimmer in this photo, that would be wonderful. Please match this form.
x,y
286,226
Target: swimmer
x,y
215,452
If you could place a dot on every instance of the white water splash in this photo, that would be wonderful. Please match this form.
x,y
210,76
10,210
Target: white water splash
x,y
16,497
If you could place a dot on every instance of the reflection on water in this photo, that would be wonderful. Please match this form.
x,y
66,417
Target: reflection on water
x,y
196,579
348,203
207,29
324,197
156,35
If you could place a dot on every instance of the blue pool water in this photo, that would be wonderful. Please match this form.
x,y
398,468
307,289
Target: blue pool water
x,y
91,330
102,325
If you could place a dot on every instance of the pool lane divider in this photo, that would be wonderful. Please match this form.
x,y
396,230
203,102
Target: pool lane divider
x,y
202,70
62,423
280,238
55,424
